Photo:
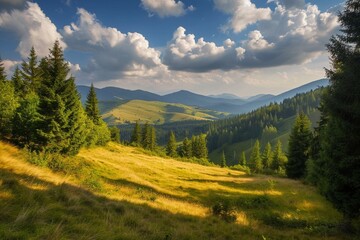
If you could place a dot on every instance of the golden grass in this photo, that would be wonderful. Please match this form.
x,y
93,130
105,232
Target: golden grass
x,y
163,195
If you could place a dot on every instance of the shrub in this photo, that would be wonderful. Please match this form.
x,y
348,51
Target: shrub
x,y
224,211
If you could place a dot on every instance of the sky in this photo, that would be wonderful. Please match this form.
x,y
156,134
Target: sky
x,y
243,47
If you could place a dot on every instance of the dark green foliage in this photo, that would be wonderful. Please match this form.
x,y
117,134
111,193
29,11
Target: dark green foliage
x,y
186,149
261,123
8,105
62,127
299,147
223,160
171,146
31,72
267,156
26,121
340,135
148,137
91,106
18,83
136,137
199,146
255,159
115,134
279,158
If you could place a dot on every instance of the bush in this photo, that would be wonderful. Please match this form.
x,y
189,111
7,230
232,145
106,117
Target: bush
x,y
224,211
242,168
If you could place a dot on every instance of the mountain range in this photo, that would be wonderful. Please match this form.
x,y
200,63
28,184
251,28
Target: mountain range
x,y
223,102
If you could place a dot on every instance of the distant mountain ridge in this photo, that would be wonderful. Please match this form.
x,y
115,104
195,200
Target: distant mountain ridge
x,y
217,103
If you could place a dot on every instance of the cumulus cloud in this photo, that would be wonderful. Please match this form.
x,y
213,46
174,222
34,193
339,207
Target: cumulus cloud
x,y
243,13
6,5
186,53
165,8
296,35
33,28
113,54
10,66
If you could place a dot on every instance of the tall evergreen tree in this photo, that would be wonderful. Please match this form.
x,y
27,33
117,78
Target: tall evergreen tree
x,y
255,158
340,137
91,106
18,82
62,127
171,145
186,148
223,160
299,146
279,158
136,137
8,105
31,73
267,156
115,134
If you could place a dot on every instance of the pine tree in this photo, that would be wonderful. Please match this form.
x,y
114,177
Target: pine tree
x,y
279,158
18,83
243,159
203,151
152,138
171,145
299,146
62,128
267,156
8,105
2,71
115,134
26,121
136,138
31,73
223,160
187,148
255,158
340,137
91,106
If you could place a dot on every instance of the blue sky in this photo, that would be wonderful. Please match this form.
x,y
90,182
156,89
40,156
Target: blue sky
x,y
244,47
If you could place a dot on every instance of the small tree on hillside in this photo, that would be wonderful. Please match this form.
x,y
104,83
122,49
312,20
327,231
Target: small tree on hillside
x,y
91,106
31,72
136,137
186,150
279,158
243,159
223,160
171,145
255,158
267,156
299,146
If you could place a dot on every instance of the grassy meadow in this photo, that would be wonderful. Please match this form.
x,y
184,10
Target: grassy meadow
x,y
119,192
155,112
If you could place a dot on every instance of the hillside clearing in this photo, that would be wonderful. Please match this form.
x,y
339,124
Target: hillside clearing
x,y
118,192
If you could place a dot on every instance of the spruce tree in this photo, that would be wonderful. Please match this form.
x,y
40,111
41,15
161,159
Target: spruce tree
x,y
187,148
267,156
299,146
340,137
91,106
136,138
18,83
62,128
171,145
279,158
223,160
8,105
31,72
115,134
203,151
255,158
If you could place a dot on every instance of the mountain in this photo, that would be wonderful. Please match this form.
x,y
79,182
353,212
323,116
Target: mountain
x,y
235,106
225,96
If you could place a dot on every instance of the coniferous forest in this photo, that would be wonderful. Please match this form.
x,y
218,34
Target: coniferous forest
x,y
41,113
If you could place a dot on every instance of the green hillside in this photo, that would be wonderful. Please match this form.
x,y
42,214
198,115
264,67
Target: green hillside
x,y
155,112
118,192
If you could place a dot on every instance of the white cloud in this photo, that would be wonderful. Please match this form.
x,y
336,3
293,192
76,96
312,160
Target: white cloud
x,y
33,28
243,13
10,66
256,41
186,53
165,8
113,54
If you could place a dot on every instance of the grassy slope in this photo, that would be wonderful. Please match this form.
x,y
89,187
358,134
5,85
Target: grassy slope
x,y
118,192
157,112
282,135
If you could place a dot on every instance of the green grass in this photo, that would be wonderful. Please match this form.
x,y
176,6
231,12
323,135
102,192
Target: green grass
x,y
156,112
118,192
